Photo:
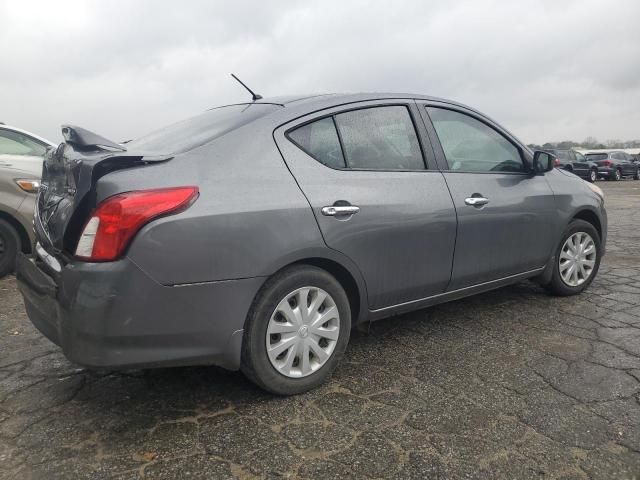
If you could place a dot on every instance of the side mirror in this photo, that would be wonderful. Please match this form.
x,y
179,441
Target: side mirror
x,y
543,162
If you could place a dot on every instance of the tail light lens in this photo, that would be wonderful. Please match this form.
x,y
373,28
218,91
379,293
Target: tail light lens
x,y
607,163
556,162
117,219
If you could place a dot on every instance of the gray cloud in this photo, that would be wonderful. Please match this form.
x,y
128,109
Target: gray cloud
x,y
547,70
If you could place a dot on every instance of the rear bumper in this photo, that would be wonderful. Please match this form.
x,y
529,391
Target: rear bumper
x,y
605,171
113,315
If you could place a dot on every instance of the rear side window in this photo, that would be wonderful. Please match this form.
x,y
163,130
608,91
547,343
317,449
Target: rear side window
x,y
472,146
594,157
196,131
373,138
320,140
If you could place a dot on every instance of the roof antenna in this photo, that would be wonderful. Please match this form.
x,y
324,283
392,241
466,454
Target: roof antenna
x,y
254,96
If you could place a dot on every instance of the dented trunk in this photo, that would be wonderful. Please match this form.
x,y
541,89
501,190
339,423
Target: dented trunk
x,y
67,192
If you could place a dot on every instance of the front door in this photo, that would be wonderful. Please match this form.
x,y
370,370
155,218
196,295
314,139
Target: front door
x,y
377,197
504,212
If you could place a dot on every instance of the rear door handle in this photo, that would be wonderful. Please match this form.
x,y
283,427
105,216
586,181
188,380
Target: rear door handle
x,y
476,201
335,210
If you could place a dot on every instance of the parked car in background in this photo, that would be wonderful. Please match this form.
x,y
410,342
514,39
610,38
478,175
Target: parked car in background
x,y
254,236
21,155
614,165
575,162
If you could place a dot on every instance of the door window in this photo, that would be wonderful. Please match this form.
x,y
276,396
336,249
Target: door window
x,y
374,138
380,138
471,145
14,143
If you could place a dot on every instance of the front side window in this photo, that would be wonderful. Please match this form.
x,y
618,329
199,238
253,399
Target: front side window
x,y
471,145
14,143
373,138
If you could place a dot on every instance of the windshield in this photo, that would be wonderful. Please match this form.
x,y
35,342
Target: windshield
x,y
597,156
196,131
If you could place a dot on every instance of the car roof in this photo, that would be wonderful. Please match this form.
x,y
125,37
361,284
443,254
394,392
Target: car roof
x,y
321,101
25,132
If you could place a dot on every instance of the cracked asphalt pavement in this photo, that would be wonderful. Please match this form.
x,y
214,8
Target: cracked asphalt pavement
x,y
509,384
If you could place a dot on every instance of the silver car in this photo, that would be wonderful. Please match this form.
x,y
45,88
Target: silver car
x,y
21,156
255,236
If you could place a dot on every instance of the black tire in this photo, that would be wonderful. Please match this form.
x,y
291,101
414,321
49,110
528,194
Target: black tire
x,y
636,175
9,247
593,175
557,286
255,360
617,175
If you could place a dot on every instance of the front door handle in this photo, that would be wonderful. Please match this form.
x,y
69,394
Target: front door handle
x,y
476,201
336,210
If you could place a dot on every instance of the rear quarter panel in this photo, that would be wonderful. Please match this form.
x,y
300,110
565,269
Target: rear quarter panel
x,y
249,220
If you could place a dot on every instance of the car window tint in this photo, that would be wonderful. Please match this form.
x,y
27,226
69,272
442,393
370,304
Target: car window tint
x,y
196,131
320,140
470,145
594,157
381,138
14,143
579,157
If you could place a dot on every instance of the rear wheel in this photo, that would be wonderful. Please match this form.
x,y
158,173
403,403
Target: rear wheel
x,y
297,330
617,175
636,175
577,259
9,247
593,175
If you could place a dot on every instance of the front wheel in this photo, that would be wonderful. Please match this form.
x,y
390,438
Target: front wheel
x,y
297,330
593,175
577,259
9,246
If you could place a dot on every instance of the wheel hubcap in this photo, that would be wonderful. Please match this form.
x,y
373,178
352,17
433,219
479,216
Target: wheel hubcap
x,y
303,332
593,175
577,259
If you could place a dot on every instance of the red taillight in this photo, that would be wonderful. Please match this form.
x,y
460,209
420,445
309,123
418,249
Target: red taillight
x,y
117,219
607,163
556,162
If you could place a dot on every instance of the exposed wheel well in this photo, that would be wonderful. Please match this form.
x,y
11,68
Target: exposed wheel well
x,y
592,218
25,242
344,278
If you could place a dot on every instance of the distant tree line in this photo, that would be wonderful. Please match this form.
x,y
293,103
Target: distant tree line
x,y
589,142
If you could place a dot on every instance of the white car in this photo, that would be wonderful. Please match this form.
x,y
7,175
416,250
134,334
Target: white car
x,y
21,155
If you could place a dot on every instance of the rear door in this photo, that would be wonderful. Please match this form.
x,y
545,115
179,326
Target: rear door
x,y
377,195
505,215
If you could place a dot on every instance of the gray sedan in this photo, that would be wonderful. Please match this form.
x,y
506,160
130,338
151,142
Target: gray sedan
x,y
255,236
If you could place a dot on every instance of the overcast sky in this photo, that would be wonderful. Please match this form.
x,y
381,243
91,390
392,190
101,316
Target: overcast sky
x,y
547,70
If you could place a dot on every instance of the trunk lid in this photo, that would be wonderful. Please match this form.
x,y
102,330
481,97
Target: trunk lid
x,y
67,191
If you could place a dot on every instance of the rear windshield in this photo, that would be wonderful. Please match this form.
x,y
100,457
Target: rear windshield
x,y
196,131
597,156
562,154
